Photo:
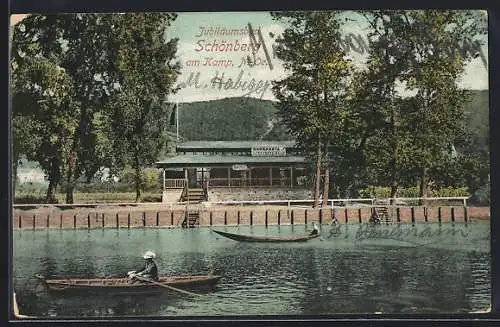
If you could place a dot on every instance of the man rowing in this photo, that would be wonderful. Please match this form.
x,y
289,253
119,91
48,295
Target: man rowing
x,y
149,271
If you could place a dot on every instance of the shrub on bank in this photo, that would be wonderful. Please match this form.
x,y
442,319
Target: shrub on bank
x,y
413,192
89,197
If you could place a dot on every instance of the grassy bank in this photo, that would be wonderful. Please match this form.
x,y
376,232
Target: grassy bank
x,y
81,197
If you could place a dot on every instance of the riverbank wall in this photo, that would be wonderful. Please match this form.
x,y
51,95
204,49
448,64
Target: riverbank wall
x,y
172,216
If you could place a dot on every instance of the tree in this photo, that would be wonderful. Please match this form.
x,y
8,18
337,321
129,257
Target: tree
x,y
434,67
44,120
387,149
310,99
147,72
80,44
418,50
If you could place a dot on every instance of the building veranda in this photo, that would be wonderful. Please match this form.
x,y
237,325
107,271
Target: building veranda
x,y
233,164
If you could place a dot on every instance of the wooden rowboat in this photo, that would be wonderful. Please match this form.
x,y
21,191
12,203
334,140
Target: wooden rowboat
x,y
267,239
124,284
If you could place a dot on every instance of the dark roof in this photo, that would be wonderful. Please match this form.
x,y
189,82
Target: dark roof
x,y
200,146
226,161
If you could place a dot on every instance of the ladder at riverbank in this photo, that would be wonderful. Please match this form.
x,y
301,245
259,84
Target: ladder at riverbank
x,y
380,213
191,219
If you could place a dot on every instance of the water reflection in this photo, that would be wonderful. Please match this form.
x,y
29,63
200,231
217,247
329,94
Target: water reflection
x,y
324,276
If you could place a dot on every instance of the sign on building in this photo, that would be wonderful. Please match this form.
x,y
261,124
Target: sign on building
x,y
240,167
268,151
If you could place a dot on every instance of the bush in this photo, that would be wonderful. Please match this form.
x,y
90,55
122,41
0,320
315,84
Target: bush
x,y
412,192
481,196
30,199
150,179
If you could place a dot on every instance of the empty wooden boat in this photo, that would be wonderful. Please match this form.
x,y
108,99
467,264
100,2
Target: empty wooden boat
x,y
267,239
125,284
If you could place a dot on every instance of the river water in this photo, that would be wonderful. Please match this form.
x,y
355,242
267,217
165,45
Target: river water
x,y
350,269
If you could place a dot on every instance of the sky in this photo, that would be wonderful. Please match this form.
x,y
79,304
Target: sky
x,y
187,29
228,67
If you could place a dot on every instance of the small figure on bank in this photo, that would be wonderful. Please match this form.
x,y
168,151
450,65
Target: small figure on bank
x,y
149,271
315,230
374,219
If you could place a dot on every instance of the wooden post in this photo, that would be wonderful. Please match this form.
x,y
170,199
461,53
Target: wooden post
x,y
118,220
34,221
466,214
171,218
74,221
346,215
238,218
412,215
452,214
266,219
88,221
359,216
291,218
128,220
333,214
225,217
251,218
305,217
48,221
20,219
320,216
60,221
157,218
439,214
279,217
210,218
102,220
398,215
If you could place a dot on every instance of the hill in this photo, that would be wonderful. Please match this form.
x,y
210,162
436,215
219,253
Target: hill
x,y
477,116
229,119
254,119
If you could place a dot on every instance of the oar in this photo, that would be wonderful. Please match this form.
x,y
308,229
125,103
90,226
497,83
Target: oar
x,y
166,286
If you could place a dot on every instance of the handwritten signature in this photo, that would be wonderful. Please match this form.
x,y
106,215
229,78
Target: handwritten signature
x,y
399,233
256,45
243,81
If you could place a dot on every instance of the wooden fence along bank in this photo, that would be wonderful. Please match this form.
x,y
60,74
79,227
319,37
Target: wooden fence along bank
x,y
233,216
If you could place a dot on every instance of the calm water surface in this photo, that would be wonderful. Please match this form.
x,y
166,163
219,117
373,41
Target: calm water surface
x,y
350,270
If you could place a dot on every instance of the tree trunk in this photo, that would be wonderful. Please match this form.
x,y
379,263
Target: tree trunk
x,y
137,193
394,173
138,179
72,169
49,198
394,190
317,175
423,187
54,176
394,179
70,185
326,185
